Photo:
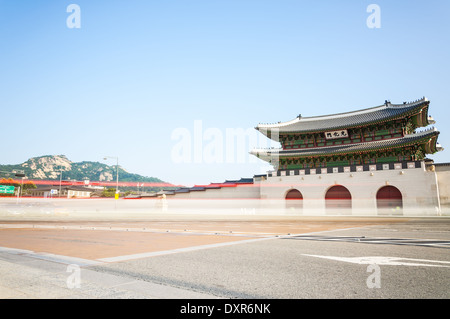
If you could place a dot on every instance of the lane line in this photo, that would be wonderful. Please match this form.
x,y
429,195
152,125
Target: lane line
x,y
178,250
390,261
61,259
138,229
194,248
439,243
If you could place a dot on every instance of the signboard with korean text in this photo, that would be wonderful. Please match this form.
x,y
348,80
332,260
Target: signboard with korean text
x,y
336,134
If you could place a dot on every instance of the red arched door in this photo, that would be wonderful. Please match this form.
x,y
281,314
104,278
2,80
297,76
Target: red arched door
x,y
294,199
339,199
390,200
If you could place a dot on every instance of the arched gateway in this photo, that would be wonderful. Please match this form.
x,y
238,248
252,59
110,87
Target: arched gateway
x,y
294,199
389,200
338,199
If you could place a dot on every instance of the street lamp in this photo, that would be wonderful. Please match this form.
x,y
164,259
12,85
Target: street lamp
x,y
16,174
117,178
60,181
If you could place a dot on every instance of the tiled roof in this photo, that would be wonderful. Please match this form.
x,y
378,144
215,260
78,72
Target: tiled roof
x,y
65,187
332,122
350,148
227,183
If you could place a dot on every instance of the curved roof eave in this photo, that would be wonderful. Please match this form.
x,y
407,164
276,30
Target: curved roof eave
x,y
376,114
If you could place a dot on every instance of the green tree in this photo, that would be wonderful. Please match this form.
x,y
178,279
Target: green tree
x,y
26,186
108,192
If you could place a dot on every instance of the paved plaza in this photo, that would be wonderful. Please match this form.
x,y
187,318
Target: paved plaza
x,y
200,256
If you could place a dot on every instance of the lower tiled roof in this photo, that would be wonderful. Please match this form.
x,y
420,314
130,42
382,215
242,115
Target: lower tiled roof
x,y
350,148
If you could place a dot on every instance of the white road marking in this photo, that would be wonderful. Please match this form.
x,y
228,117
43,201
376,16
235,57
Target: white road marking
x,y
178,250
389,261
137,229
50,257
193,248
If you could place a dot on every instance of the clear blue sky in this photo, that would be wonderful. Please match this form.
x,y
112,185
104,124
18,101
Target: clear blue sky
x,y
136,71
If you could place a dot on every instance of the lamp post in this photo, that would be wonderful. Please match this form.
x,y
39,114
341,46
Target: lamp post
x,y
60,182
117,176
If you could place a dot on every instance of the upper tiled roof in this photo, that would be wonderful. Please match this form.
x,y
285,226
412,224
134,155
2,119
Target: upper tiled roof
x,y
332,122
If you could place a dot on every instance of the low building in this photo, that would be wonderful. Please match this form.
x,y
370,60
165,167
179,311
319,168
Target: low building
x,y
64,191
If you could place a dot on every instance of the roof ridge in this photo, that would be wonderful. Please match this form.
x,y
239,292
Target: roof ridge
x,y
387,104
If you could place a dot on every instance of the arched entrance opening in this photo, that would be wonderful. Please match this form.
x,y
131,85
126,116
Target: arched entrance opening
x,y
338,200
389,200
294,199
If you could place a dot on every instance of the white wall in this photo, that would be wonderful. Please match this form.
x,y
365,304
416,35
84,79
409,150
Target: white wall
x,y
443,177
418,188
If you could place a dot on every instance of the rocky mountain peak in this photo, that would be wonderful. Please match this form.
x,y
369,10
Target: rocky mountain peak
x,y
48,167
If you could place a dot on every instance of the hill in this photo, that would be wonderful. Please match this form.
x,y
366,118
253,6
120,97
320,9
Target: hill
x,y
48,167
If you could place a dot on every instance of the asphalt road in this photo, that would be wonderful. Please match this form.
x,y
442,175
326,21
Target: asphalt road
x,y
408,258
292,267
